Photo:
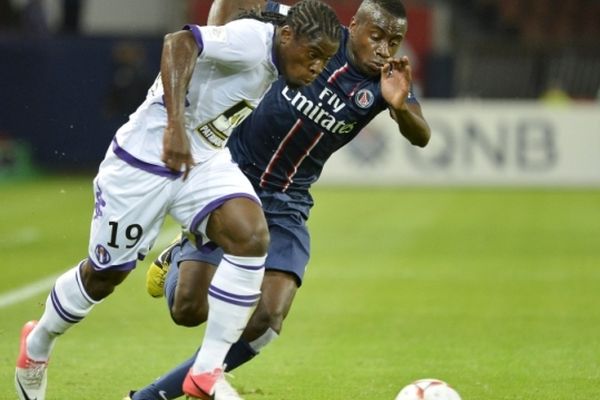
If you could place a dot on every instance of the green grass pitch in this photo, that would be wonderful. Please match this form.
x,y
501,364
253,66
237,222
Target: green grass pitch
x,y
496,291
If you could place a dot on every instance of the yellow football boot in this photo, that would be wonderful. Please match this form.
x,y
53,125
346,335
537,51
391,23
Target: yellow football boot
x,y
157,272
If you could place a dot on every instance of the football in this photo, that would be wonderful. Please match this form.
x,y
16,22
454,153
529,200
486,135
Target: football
x,y
428,389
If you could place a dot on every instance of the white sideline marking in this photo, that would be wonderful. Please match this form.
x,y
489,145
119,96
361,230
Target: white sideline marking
x,y
43,285
27,292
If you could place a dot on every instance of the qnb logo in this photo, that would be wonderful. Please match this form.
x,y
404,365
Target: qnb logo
x,y
102,255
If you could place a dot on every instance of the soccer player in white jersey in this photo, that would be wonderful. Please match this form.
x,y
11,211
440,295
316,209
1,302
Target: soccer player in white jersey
x,y
282,148
169,158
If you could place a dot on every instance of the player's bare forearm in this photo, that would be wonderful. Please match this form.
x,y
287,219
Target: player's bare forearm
x,y
396,79
223,11
176,68
412,124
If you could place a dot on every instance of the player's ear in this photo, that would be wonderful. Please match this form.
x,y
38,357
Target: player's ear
x,y
352,22
286,35
352,26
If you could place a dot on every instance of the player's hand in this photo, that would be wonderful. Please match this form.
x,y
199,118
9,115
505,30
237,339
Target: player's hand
x,y
176,149
396,78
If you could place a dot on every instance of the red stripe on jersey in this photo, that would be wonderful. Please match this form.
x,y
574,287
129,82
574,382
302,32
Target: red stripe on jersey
x,y
277,154
353,90
337,73
299,161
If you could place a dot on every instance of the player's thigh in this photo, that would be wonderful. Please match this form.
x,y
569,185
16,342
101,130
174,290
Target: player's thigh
x,y
130,206
208,187
239,227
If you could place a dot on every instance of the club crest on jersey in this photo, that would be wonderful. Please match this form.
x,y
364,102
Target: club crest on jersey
x,y
102,255
364,98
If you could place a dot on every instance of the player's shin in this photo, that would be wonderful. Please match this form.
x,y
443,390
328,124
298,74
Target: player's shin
x,y
67,304
232,296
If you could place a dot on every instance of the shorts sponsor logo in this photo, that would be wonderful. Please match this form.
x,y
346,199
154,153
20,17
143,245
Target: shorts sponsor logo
x,y
102,255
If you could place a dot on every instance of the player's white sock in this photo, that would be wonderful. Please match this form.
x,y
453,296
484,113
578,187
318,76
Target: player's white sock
x,y
67,304
232,296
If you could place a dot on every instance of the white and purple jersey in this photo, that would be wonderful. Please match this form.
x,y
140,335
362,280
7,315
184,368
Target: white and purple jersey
x,y
286,141
232,73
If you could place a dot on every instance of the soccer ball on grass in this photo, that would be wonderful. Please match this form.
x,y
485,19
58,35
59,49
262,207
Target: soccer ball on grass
x,y
428,389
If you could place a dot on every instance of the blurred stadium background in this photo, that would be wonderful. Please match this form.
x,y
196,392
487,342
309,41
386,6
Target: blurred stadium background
x,y
74,69
475,259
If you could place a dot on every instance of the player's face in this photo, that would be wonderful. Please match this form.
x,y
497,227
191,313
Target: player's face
x,y
301,59
375,36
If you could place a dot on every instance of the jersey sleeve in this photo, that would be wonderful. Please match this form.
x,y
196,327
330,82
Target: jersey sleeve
x,y
240,44
195,29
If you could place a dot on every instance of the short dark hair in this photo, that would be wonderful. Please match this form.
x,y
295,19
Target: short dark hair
x,y
312,19
394,7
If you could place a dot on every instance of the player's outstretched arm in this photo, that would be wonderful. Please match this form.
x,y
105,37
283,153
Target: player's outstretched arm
x,y
178,60
396,78
223,11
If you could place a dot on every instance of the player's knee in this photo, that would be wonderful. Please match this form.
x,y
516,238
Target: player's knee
x,y
188,309
264,319
248,241
240,228
100,284
189,314
257,243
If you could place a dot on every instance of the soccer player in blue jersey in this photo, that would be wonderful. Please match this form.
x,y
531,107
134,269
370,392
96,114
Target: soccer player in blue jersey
x,y
282,148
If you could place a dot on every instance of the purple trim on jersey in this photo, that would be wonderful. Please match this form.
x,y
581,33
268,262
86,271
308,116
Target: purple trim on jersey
x,y
248,267
210,207
232,298
64,314
195,29
128,266
143,165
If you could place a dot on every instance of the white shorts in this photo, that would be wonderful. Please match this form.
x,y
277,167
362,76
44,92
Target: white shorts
x,y
131,205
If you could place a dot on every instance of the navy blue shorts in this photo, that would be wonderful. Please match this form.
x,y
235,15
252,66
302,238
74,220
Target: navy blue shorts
x,y
289,250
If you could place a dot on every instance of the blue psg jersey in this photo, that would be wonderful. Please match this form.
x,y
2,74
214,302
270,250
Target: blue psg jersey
x,y
285,142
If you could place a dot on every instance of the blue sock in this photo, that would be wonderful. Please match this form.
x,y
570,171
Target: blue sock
x,y
240,352
169,386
